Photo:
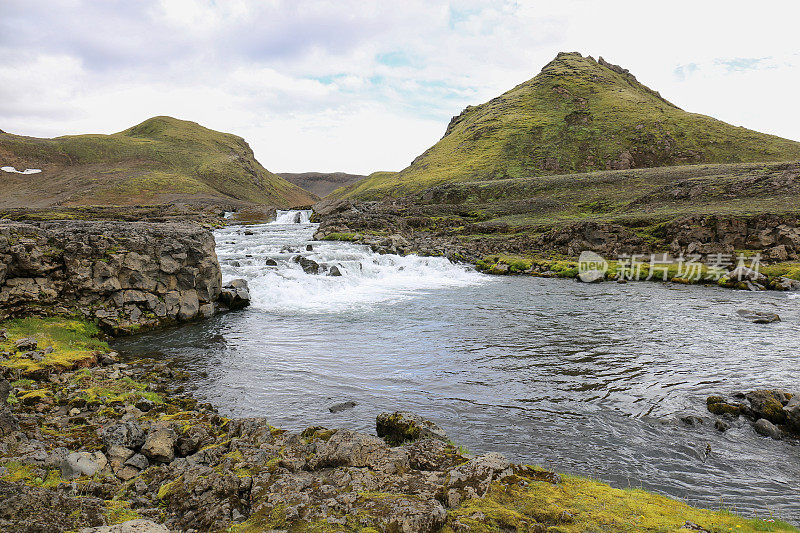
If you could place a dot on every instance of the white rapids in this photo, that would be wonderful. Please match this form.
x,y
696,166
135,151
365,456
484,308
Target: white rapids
x,y
367,278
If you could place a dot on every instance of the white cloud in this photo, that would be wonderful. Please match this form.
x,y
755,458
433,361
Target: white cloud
x,y
365,85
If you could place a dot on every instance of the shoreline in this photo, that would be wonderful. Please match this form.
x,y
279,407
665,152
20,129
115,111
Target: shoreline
x,y
167,459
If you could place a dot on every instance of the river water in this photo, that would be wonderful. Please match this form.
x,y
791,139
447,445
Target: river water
x,y
585,379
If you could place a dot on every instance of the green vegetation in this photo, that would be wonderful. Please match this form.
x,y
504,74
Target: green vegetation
x,y
577,115
73,342
158,161
579,504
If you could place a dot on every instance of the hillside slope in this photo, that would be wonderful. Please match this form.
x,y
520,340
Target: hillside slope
x,y
158,161
321,183
577,115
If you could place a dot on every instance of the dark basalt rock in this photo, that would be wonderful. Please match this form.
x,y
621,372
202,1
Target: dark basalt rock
x,y
235,294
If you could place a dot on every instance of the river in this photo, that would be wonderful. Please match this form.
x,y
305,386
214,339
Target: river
x,y
588,379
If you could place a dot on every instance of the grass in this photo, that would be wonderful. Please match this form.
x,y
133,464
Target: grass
x,y
577,115
156,161
73,342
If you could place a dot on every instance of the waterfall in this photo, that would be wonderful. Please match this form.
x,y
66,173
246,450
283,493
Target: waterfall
x,y
293,216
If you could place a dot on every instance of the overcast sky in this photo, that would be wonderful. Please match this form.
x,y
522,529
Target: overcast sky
x,y
364,85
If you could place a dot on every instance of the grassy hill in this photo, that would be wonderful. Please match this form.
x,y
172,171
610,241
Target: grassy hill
x,y
577,115
158,161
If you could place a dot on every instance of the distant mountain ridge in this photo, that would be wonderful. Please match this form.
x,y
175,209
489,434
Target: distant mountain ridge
x,y
159,161
576,115
321,183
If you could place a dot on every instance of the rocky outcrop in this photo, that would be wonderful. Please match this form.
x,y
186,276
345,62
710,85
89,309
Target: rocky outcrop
x,y
124,275
775,413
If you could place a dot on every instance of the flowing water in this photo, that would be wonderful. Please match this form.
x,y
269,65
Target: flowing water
x,y
586,379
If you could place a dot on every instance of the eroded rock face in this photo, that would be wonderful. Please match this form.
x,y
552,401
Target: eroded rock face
x,y
125,275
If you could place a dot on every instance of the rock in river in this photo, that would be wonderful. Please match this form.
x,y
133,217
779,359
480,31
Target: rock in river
x,y
235,294
758,317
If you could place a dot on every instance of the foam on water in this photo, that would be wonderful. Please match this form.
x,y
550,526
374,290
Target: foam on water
x,y
367,278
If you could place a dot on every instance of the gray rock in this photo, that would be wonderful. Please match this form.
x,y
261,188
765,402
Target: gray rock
x,y
347,448
138,461
28,344
235,294
78,464
785,284
309,266
271,263
766,428
399,427
758,317
117,455
339,407
334,271
127,434
160,445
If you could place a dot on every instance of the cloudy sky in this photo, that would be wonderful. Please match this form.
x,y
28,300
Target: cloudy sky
x,y
364,85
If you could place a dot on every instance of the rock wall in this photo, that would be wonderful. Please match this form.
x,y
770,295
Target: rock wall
x,y
124,275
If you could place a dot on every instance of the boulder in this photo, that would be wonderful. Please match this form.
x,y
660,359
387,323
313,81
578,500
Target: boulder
x,y
759,317
137,461
472,479
766,428
743,273
235,294
309,266
78,464
160,445
27,344
271,262
343,406
767,404
399,427
785,284
126,434
334,271
792,410
348,448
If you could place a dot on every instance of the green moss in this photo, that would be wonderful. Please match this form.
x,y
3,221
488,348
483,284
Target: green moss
x,y
579,504
349,237
74,343
119,511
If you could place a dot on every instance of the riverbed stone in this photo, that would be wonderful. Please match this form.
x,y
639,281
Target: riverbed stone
x,y
235,294
759,317
767,429
768,404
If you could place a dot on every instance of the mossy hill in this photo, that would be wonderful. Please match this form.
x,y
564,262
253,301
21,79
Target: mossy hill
x,y
577,115
159,161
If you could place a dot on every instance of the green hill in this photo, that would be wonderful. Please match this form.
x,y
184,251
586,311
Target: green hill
x,y
158,161
577,115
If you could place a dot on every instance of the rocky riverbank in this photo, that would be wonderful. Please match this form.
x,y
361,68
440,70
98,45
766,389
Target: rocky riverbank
x,y
126,276
106,442
691,249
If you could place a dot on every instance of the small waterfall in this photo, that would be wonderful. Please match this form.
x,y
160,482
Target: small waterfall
x,y
289,272
293,216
